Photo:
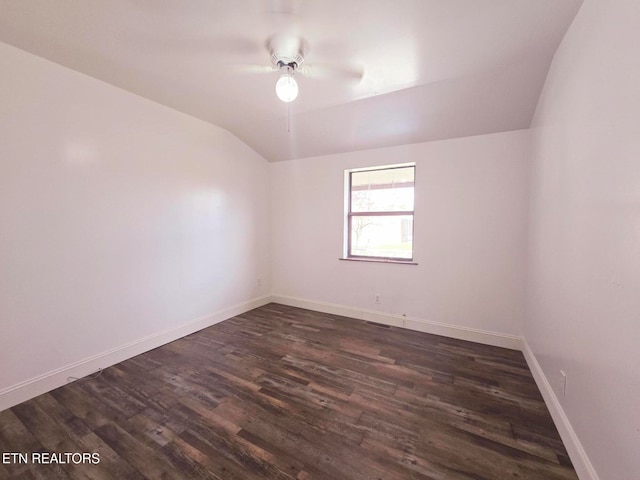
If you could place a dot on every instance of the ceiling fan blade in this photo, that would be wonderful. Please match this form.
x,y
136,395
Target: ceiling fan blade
x,y
196,43
250,69
323,71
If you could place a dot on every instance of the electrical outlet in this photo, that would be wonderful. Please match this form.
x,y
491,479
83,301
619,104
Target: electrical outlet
x,y
378,298
259,281
563,382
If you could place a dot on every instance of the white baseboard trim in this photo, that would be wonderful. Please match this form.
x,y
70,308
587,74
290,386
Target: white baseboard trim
x,y
46,382
495,339
578,456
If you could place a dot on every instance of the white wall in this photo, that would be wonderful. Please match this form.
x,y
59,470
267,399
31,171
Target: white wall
x,y
470,233
583,300
119,218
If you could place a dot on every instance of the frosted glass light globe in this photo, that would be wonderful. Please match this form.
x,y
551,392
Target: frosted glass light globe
x,y
286,88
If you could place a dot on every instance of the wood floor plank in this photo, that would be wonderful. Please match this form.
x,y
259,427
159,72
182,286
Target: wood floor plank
x,y
290,394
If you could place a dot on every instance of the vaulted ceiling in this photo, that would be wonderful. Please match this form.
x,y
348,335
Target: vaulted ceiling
x,y
430,69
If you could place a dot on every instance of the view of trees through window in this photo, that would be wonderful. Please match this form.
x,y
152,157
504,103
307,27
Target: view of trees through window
x,y
380,219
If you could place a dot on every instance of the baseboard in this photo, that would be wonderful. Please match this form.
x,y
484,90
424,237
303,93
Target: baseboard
x,y
578,456
31,388
454,331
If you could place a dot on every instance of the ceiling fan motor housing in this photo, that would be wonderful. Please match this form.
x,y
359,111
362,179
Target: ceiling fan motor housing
x,y
279,60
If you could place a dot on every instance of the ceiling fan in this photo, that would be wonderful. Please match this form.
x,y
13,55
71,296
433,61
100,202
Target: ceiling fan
x,y
287,54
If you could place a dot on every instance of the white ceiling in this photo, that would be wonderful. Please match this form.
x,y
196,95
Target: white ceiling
x,y
433,69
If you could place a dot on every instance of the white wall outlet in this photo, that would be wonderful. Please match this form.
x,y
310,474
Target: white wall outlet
x,y
259,281
378,298
563,382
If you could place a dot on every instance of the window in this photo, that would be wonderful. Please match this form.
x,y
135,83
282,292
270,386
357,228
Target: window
x,y
380,205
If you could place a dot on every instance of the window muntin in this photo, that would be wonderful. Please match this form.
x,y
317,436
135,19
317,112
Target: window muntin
x,y
380,213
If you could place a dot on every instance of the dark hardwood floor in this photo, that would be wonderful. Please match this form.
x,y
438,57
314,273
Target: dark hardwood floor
x,y
286,393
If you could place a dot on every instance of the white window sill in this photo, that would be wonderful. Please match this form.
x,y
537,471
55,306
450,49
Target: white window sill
x,y
378,260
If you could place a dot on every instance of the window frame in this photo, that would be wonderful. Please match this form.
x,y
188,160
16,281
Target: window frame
x,y
396,213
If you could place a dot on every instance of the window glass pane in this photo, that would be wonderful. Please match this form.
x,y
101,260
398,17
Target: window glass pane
x,y
382,190
382,236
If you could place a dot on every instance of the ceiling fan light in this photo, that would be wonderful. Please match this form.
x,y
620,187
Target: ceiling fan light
x,y
287,87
